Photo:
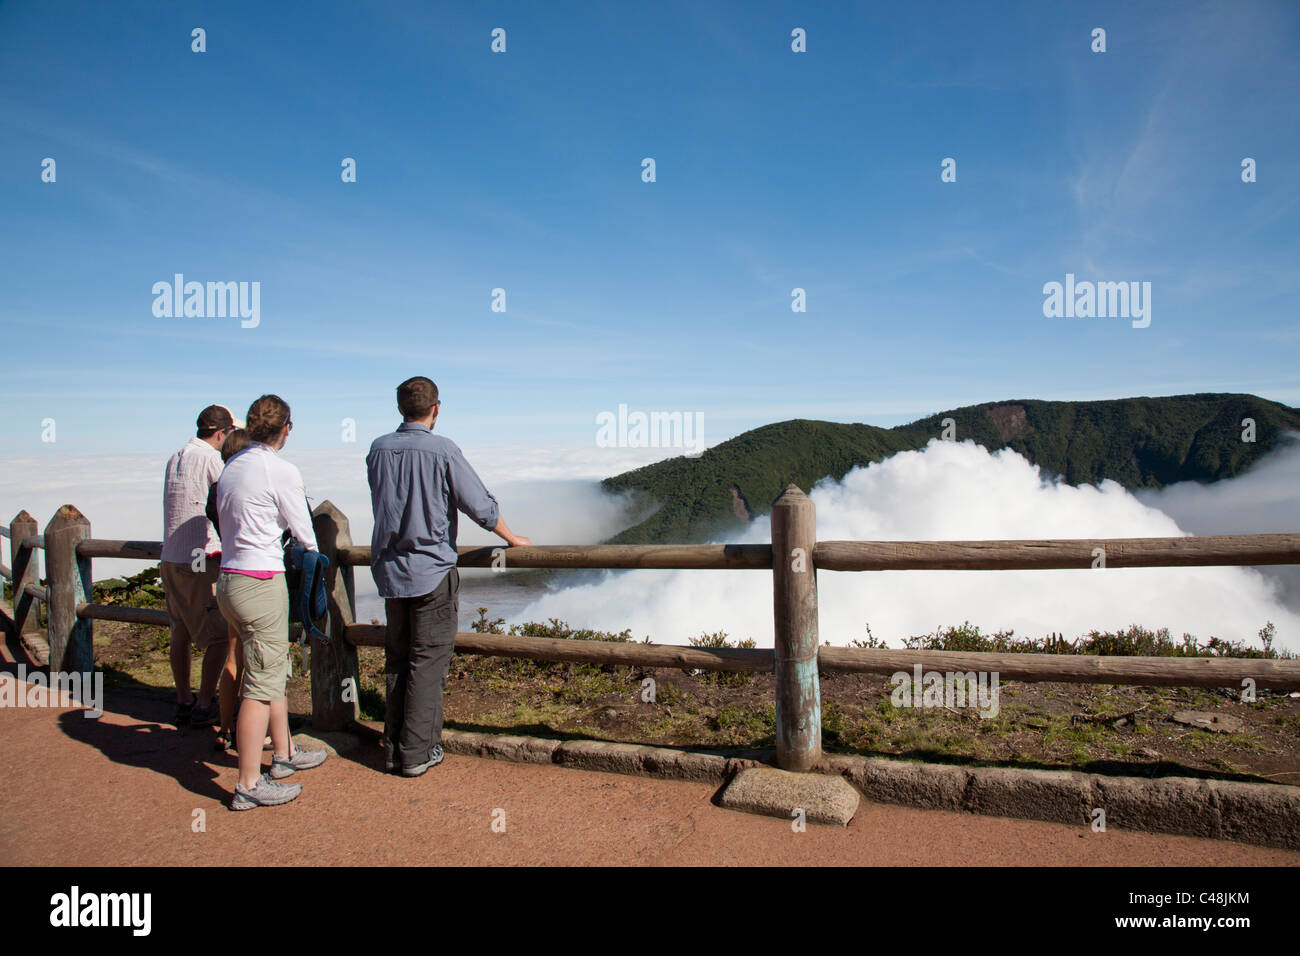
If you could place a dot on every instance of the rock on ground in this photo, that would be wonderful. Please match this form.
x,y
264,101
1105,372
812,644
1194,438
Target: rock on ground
x,y
779,793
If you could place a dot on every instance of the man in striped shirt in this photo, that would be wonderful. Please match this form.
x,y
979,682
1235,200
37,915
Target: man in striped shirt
x,y
191,558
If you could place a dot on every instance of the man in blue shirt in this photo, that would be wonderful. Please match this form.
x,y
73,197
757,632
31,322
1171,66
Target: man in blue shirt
x,y
418,483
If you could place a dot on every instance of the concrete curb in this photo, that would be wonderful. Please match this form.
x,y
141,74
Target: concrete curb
x,y
636,759
1256,813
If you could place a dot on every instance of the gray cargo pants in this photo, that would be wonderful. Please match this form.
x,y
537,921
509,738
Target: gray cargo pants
x,y
418,643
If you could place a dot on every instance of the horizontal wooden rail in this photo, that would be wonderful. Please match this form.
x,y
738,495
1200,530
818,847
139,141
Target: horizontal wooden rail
x,y
104,548
607,557
1073,668
601,556
36,591
1029,668
589,652
36,541
1190,551
1199,550
129,615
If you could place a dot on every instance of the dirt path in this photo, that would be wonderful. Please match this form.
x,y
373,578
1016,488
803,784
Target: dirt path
x,y
133,784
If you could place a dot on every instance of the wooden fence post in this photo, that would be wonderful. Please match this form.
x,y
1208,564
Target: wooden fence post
x,y
26,570
69,583
794,580
335,678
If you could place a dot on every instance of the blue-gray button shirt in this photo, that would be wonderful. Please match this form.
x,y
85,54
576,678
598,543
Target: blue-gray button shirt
x,y
418,481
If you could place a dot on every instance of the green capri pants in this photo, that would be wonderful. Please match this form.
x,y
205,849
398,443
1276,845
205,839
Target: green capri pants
x,y
258,610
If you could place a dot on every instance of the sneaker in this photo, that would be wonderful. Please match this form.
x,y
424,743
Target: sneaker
x,y
181,716
434,759
267,793
282,767
204,716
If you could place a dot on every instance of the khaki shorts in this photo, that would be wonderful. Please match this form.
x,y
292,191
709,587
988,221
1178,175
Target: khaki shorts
x,y
258,610
192,604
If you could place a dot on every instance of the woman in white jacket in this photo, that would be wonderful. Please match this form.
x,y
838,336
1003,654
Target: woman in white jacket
x,y
260,495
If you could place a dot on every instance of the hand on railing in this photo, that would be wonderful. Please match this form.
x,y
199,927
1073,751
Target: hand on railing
x,y
510,538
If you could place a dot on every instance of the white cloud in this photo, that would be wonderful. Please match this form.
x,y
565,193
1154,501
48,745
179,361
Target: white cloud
x,y
1263,500
951,491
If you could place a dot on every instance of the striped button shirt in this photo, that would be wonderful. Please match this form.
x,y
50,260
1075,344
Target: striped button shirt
x,y
190,473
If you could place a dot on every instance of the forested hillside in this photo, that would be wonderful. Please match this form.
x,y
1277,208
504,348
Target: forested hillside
x,y
1138,442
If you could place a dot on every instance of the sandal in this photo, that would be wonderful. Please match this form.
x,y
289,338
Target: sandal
x,y
225,740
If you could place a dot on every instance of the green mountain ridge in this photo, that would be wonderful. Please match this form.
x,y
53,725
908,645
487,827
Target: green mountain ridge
x,y
1137,442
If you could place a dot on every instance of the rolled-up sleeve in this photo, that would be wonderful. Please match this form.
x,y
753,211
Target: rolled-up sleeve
x,y
469,493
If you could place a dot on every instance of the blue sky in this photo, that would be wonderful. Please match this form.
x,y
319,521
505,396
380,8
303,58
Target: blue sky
x,y
522,171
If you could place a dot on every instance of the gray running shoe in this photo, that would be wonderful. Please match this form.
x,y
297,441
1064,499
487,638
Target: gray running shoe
x,y
282,767
435,758
267,793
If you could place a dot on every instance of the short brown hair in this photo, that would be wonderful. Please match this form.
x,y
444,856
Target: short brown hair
x,y
234,443
416,397
267,417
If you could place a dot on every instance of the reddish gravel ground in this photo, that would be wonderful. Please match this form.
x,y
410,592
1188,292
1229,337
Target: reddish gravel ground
x,y
133,783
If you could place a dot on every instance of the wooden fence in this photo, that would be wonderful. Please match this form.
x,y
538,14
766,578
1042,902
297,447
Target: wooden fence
x,y
793,557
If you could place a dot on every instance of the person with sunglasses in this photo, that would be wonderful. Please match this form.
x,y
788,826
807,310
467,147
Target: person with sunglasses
x,y
233,674
259,496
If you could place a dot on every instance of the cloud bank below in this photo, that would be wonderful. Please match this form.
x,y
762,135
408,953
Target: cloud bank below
x,y
951,491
